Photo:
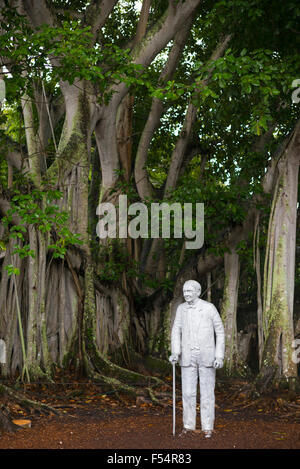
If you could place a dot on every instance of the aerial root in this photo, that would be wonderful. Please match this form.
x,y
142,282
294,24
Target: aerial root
x,y
24,401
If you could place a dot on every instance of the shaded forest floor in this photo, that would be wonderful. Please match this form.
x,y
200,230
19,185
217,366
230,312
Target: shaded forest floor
x,y
92,419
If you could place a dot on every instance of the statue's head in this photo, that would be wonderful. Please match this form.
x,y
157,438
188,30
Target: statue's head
x,y
191,290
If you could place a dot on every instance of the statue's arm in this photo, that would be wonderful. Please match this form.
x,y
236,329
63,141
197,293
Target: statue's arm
x,y
220,334
176,333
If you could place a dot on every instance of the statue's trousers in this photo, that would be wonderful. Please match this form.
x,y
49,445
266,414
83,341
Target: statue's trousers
x,y
189,379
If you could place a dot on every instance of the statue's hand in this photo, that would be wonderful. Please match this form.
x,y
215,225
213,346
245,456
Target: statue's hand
x,y
218,363
173,358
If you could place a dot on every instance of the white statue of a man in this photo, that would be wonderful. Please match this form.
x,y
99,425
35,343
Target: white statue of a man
x,y
198,343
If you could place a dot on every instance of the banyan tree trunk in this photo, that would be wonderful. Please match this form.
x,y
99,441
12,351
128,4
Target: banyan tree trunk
x,y
62,313
229,309
62,324
279,271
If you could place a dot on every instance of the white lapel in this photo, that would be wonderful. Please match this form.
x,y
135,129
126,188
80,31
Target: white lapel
x,y
197,317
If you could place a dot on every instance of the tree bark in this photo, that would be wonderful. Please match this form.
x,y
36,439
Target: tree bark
x,y
229,310
260,329
143,184
279,269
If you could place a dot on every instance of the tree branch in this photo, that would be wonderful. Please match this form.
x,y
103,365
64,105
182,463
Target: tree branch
x,y
185,134
143,21
180,148
97,13
143,184
143,53
34,153
37,12
156,40
163,31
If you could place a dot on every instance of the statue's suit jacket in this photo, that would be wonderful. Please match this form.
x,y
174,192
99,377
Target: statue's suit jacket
x,y
210,331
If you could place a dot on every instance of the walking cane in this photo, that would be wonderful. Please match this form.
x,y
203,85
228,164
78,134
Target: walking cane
x,y
174,399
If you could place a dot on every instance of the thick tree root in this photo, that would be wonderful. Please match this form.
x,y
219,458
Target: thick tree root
x,y
117,386
264,382
274,405
23,401
244,395
155,400
268,381
112,371
5,423
120,388
132,391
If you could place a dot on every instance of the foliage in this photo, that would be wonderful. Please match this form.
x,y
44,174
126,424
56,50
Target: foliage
x,y
38,209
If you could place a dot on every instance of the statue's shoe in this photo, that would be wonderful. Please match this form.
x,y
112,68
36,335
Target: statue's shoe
x,y
208,433
185,431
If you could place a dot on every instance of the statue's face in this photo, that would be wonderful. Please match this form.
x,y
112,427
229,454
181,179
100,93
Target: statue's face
x,y
189,293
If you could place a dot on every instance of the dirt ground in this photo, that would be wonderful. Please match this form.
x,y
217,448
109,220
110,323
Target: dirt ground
x,y
94,429
90,419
